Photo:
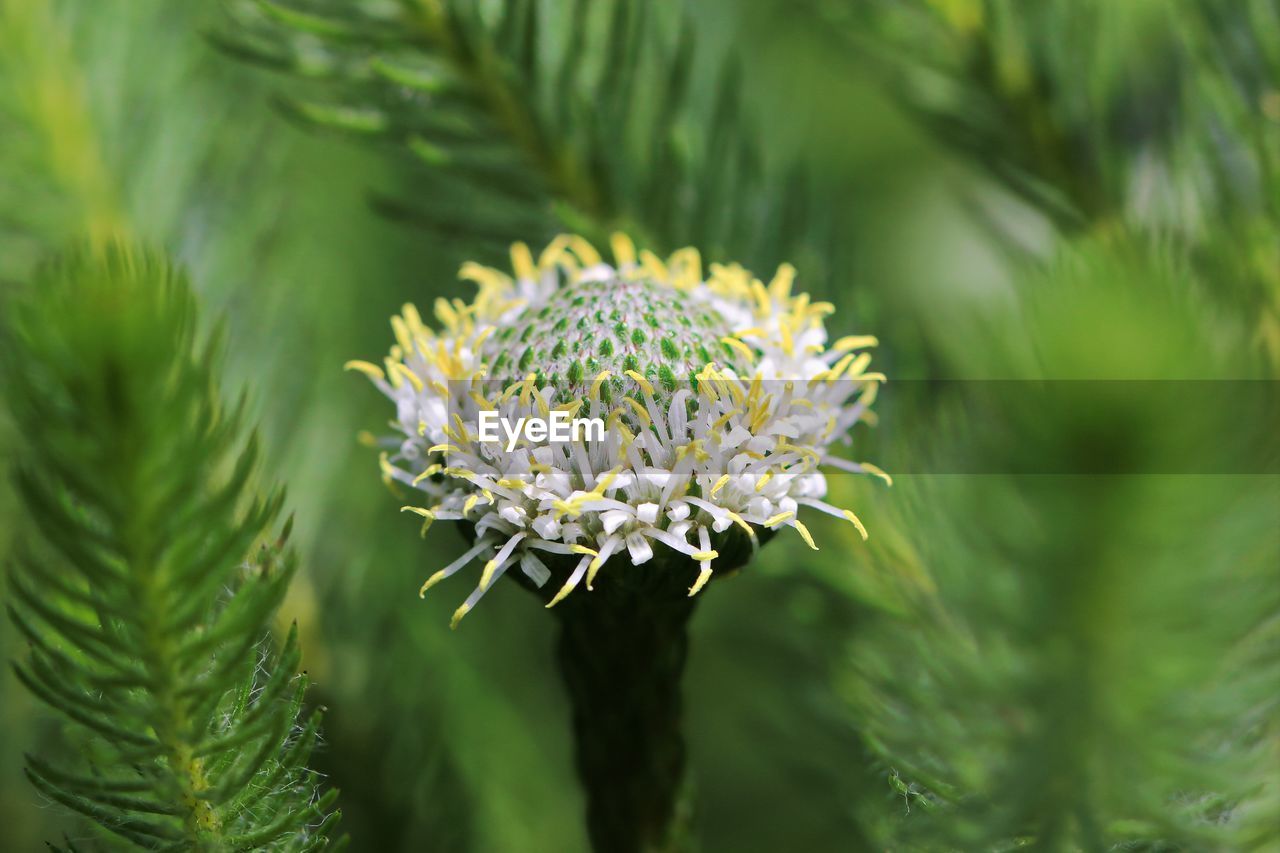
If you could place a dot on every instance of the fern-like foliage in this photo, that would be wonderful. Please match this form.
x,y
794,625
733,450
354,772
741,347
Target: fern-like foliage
x,y
145,619
1100,670
1061,101
531,117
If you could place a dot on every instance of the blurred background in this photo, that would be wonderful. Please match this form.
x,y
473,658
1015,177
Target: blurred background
x,y
1078,653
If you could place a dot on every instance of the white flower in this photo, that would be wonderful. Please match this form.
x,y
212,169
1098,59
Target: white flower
x,y
720,395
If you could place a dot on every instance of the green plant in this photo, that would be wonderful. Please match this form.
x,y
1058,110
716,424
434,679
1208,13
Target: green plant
x,y
150,570
526,119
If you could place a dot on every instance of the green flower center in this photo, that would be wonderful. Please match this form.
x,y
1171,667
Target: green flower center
x,y
615,325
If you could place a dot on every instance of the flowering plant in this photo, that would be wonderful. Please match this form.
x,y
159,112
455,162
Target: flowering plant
x,y
721,396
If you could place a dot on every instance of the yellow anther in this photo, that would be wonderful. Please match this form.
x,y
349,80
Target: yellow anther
x,y
852,342
644,384
607,480
764,305
444,311
703,556
764,481
720,484
401,330
742,522
638,409
624,251
430,582
597,382
584,550
559,596
704,575
526,388
414,319
399,369
804,532
482,337
788,343
458,614
857,522
876,472
725,418
593,570
778,519
859,365
522,262
780,287
554,252
654,266
586,252
572,407
686,267
367,368
746,351
432,470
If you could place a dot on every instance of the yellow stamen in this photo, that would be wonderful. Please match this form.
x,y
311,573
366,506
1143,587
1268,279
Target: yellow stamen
x,y
367,368
639,409
641,381
857,522
400,370
624,251
876,472
597,382
720,484
804,532
430,582
780,287
852,342
704,575
738,345
522,262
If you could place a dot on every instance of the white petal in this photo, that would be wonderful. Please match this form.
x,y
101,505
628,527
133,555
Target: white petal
x,y
639,548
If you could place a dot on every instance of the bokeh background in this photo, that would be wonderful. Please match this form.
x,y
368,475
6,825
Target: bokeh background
x,y
1072,190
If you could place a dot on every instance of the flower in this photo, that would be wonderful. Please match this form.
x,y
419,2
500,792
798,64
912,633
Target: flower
x,y
720,396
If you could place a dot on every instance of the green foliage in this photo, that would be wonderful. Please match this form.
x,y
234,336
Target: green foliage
x,y
1100,667
54,172
530,117
1050,661
1004,82
145,619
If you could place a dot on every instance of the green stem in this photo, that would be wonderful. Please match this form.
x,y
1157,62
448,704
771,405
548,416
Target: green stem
x,y
622,653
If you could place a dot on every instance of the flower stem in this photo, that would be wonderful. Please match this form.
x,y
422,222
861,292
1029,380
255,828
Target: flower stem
x,y
622,653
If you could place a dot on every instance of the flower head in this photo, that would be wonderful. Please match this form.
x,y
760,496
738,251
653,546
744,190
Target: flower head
x,y
719,399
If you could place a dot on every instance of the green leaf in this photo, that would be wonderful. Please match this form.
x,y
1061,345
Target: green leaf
x,y
148,605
